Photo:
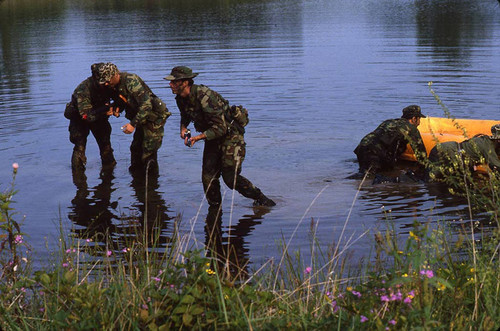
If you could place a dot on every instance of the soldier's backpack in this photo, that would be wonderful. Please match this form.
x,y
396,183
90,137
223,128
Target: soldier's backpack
x,y
238,116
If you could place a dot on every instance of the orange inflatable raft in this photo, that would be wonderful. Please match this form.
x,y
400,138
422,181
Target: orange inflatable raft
x,y
441,129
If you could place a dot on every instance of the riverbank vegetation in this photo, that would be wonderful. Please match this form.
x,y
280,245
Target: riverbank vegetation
x,y
435,277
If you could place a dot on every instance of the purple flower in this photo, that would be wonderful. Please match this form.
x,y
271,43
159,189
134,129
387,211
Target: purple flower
x,y
108,253
384,298
427,273
392,322
407,300
156,279
308,270
363,318
18,239
356,293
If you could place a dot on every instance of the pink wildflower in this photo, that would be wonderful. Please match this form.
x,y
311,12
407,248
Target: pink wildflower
x,y
356,293
384,298
18,239
407,300
363,318
427,273
108,253
308,270
392,322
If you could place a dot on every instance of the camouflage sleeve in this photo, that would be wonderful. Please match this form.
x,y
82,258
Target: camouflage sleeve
x,y
139,94
185,120
83,100
213,109
488,151
417,144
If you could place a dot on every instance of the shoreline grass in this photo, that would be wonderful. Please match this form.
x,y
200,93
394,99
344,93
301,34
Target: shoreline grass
x,y
424,281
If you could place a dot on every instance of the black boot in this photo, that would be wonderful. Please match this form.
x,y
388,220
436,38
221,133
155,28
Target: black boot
x,y
78,159
262,200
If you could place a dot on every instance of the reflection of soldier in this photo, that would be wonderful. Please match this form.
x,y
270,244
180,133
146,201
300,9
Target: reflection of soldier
x,y
230,252
151,204
381,149
453,157
88,111
146,112
93,213
224,150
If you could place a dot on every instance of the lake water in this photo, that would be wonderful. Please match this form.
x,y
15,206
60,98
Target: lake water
x,y
316,76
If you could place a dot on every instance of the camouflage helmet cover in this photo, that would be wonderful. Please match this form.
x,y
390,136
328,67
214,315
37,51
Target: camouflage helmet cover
x,y
495,131
181,72
103,72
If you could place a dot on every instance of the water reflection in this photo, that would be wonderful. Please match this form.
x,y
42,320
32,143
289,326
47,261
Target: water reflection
x,y
228,247
90,208
95,213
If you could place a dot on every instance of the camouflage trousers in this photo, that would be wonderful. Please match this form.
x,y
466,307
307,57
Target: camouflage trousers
x,y
144,147
79,130
372,158
224,157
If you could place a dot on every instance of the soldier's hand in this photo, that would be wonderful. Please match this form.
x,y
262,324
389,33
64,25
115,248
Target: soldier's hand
x,y
128,128
110,111
116,111
183,133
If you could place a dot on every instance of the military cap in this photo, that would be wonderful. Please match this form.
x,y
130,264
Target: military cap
x,y
412,111
181,72
103,72
495,131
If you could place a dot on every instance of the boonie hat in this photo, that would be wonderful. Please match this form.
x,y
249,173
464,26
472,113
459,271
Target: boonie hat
x,y
413,111
103,72
495,131
181,72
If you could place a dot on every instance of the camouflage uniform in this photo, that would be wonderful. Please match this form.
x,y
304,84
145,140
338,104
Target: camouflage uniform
x,y
88,98
451,156
146,112
382,148
224,150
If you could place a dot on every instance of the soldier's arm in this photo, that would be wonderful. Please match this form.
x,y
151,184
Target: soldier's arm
x,y
213,109
417,144
142,99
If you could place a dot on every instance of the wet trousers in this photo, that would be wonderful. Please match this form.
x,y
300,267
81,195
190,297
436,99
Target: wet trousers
x,y
224,156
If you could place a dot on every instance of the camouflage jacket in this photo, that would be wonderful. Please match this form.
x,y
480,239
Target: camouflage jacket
x,y
206,109
479,150
390,139
141,105
86,98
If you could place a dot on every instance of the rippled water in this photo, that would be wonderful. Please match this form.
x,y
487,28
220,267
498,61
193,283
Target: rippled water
x,y
316,76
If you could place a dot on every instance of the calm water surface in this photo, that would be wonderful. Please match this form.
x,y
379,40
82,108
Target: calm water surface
x,y
316,76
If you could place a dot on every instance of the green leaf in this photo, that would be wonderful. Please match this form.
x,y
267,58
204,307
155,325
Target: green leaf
x,y
187,299
45,280
197,310
186,319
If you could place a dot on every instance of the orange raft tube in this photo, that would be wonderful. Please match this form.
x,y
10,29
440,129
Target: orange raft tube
x,y
441,129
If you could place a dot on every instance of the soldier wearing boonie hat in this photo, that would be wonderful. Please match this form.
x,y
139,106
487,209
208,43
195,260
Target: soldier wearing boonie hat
x,y
88,111
224,149
481,149
381,149
147,114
